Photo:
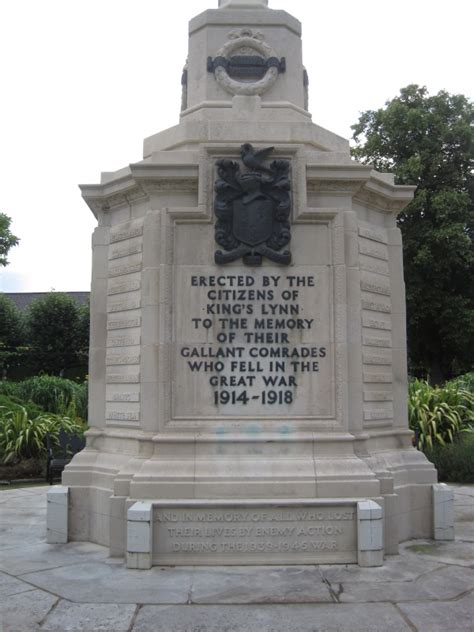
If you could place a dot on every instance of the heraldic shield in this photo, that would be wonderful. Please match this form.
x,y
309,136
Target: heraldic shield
x,y
253,222
252,209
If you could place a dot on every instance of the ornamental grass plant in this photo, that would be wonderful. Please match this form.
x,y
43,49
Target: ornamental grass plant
x,y
24,438
438,415
54,394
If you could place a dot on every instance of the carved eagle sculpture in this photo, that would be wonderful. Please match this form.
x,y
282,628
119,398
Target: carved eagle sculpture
x,y
254,159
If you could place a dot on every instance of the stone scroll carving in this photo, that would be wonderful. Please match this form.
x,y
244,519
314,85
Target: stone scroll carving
x,y
252,208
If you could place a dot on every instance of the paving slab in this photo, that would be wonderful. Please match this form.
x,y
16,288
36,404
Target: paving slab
x,y
90,617
270,584
19,560
22,517
442,616
12,586
25,611
96,582
457,552
464,525
448,582
396,568
271,618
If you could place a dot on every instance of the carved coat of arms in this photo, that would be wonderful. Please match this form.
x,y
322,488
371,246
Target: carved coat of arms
x,y
253,208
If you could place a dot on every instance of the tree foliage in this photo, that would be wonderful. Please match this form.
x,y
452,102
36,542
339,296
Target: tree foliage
x,y
57,333
7,238
11,334
426,141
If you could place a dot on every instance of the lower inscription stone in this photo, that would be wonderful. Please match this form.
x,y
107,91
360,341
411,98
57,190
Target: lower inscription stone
x,y
209,532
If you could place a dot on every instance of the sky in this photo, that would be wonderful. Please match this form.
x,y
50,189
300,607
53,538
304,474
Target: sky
x,y
82,82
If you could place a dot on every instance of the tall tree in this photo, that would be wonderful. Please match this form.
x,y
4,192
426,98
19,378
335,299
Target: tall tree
x,y
427,141
7,239
55,329
11,334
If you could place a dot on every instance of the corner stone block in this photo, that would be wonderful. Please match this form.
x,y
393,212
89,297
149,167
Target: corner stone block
x,y
140,535
369,533
57,514
443,512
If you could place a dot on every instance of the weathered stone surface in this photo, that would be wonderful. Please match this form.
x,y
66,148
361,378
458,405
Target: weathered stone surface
x,y
456,616
72,617
449,582
24,612
96,582
12,586
304,618
458,552
30,558
295,584
396,568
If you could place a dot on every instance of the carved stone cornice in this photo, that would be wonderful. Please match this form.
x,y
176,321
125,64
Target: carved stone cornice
x,y
141,181
365,185
344,179
378,193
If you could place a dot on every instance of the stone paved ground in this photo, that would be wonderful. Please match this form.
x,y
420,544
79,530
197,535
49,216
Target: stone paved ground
x,y
429,587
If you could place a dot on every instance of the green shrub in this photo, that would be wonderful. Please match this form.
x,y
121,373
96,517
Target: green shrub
x,y
25,438
438,415
454,462
54,394
465,382
10,389
13,403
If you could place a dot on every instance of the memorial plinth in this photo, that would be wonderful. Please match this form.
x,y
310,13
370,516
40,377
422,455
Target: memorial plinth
x,y
248,351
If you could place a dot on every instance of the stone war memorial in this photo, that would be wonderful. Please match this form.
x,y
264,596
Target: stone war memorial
x,y
248,377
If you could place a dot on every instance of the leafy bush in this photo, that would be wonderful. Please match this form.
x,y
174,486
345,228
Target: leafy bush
x,y
438,415
454,462
54,394
24,438
13,403
465,382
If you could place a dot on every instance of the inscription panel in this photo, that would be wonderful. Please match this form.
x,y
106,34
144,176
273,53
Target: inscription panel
x,y
376,322
124,325
123,378
372,414
124,249
374,304
113,359
373,249
128,230
368,264
123,306
119,286
373,234
127,396
375,283
134,264
253,345
376,326
122,415
126,340
255,534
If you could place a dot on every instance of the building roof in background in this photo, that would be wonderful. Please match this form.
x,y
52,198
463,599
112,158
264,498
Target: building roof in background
x,y
23,299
